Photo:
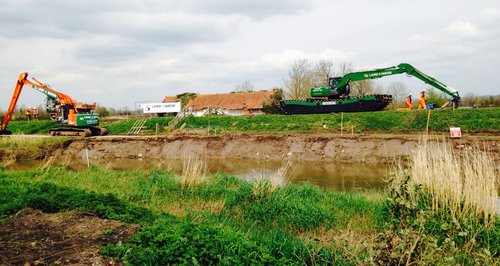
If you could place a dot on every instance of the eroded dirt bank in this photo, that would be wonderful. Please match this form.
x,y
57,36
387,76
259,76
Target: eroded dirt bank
x,y
366,149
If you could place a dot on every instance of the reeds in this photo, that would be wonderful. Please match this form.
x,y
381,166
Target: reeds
x,y
7,162
194,172
265,185
459,182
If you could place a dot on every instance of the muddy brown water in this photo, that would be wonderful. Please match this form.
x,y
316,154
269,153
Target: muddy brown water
x,y
331,176
332,163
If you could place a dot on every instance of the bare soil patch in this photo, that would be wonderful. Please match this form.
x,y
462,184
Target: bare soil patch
x,y
32,237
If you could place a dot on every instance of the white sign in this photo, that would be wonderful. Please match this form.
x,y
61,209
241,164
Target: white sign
x,y
153,108
455,133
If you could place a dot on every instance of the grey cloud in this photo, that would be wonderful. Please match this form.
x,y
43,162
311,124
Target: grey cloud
x,y
110,52
34,17
128,29
256,9
142,26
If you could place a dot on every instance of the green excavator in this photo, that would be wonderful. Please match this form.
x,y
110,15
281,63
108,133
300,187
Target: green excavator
x,y
335,97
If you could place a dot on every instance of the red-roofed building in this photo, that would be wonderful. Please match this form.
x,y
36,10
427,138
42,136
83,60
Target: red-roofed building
x,y
240,103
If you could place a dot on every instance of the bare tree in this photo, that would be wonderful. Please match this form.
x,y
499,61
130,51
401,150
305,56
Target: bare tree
x,y
470,99
362,87
302,76
322,72
245,86
298,82
399,93
344,68
358,88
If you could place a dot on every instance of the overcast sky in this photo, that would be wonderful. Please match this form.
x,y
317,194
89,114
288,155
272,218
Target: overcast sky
x,y
119,52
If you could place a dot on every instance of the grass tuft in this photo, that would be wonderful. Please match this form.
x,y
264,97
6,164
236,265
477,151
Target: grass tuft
x,y
263,186
194,173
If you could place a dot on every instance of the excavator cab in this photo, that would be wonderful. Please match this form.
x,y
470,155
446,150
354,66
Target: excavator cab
x,y
332,82
337,94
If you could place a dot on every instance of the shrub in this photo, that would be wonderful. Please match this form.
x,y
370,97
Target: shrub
x,y
188,243
51,198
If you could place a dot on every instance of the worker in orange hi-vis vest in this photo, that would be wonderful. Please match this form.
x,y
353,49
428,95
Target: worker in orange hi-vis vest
x,y
409,102
28,114
421,101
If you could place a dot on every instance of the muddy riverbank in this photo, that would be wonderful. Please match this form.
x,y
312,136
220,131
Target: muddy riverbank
x,y
256,147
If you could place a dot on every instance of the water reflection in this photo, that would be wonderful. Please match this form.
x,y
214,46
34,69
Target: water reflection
x,y
329,175
333,176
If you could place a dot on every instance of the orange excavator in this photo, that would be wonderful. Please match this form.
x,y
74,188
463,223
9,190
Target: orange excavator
x,y
73,118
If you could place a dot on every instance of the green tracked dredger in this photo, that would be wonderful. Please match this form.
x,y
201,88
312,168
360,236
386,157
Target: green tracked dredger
x,y
335,97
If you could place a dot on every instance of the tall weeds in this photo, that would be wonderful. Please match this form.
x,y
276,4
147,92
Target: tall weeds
x,y
461,182
7,162
442,209
194,172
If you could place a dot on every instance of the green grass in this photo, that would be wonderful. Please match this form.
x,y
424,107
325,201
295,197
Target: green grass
x,y
469,120
26,143
225,220
123,126
32,127
217,221
293,207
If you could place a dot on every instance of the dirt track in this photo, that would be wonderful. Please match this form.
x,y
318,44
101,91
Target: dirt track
x,y
366,149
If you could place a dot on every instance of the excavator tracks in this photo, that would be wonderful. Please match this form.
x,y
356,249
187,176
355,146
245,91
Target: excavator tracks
x,y
75,132
376,102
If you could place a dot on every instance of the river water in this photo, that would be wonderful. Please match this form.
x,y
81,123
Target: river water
x,y
329,175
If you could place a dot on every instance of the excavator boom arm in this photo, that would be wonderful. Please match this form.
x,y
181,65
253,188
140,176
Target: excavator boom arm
x,y
13,101
429,80
339,86
43,88
39,86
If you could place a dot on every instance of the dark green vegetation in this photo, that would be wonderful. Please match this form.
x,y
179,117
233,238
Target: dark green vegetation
x,y
415,232
223,220
469,120
32,127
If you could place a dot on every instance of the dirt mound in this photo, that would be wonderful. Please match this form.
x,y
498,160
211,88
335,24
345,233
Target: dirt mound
x,y
35,238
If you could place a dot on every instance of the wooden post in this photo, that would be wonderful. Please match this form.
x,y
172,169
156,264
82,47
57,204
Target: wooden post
x,y
428,119
352,129
156,130
87,155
